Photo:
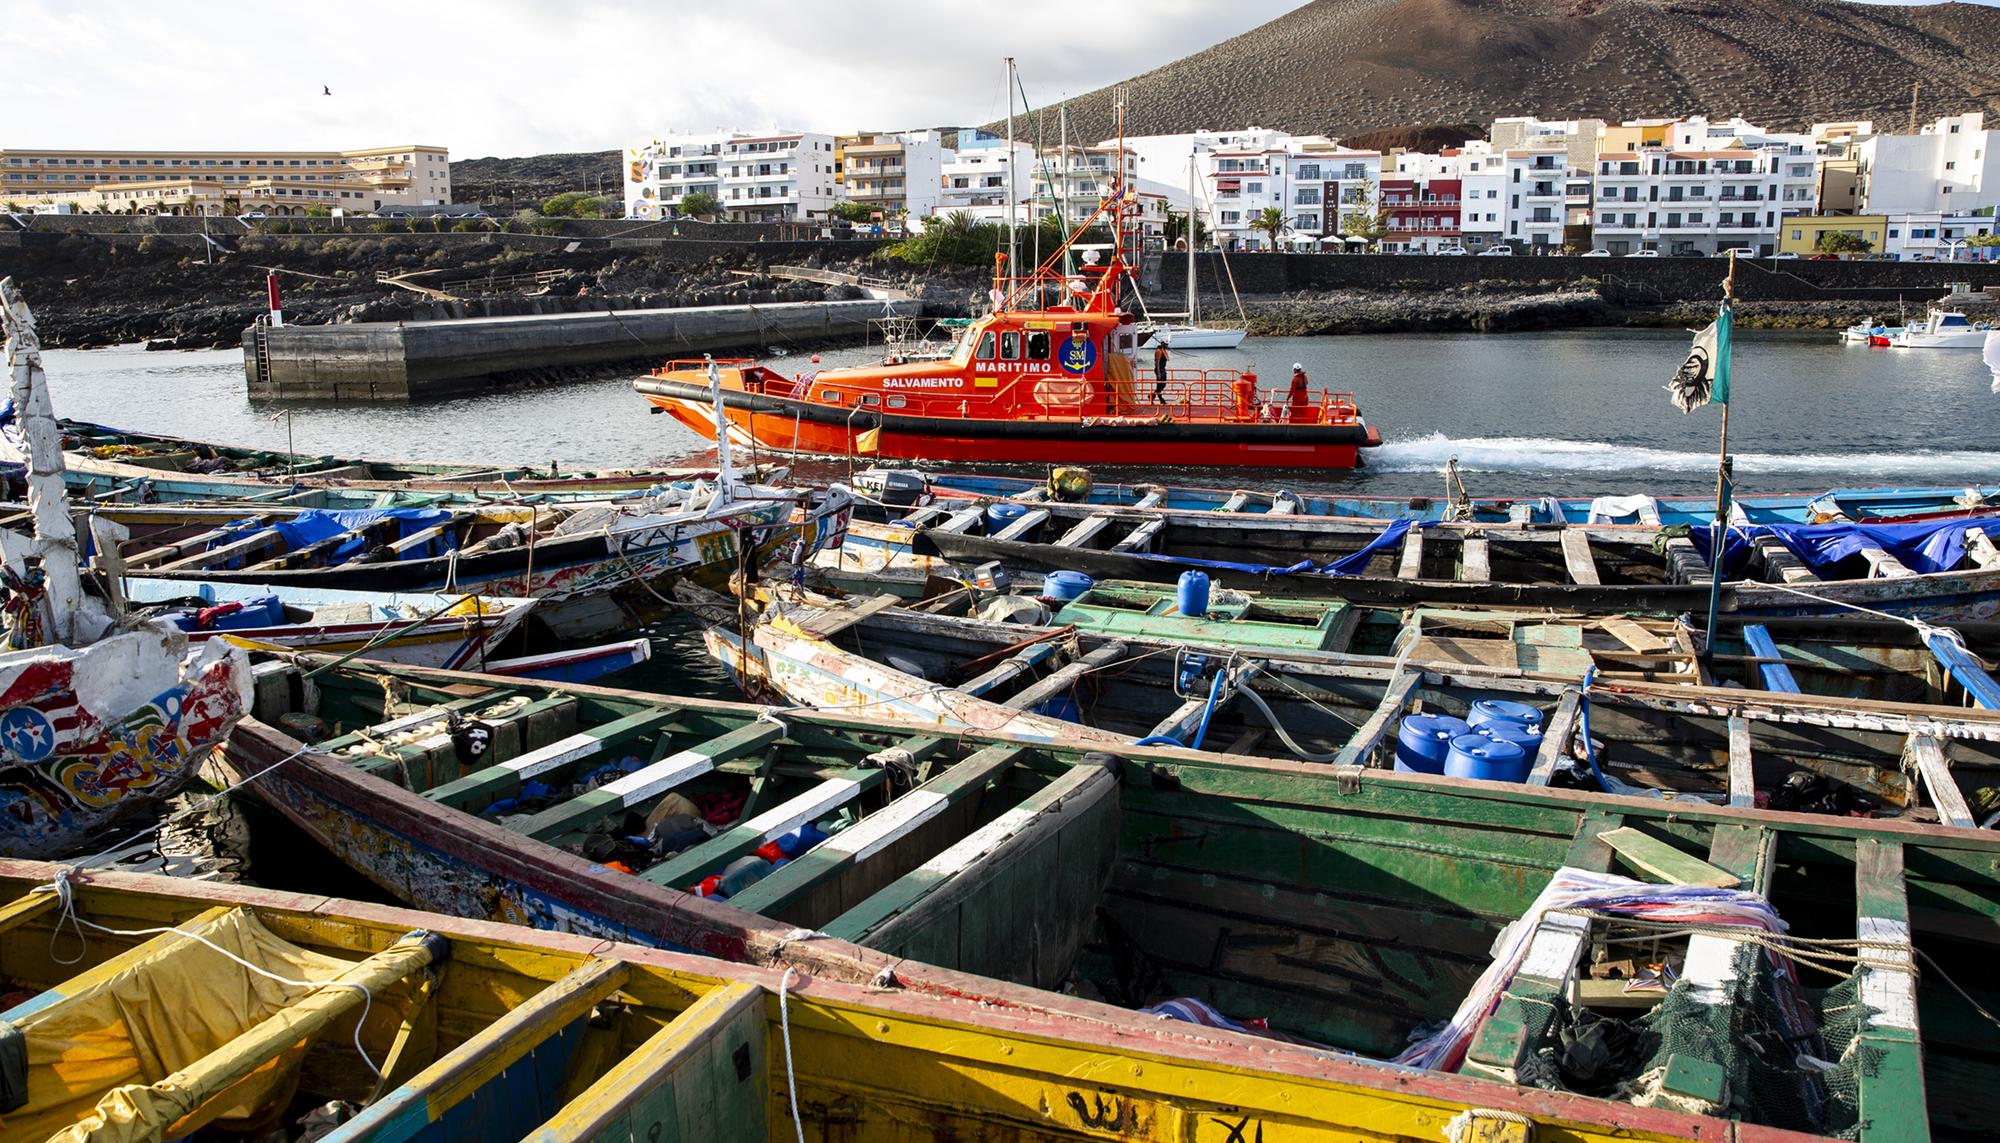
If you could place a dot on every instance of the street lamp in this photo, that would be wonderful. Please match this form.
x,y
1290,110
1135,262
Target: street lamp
x,y
1951,246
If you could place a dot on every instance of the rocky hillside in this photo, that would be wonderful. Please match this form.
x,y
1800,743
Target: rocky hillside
x,y
506,185
1348,66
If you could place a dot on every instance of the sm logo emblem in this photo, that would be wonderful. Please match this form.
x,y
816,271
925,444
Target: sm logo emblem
x,y
1077,355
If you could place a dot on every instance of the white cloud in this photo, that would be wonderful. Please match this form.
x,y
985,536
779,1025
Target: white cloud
x,y
515,77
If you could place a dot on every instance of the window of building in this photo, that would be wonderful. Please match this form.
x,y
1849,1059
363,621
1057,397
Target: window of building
x,y
1308,196
1255,188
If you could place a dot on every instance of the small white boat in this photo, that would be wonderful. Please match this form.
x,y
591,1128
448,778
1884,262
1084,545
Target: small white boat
x,y
1196,337
1943,329
1860,332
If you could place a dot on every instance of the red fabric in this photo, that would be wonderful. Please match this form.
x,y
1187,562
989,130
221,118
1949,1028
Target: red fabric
x,y
720,807
208,615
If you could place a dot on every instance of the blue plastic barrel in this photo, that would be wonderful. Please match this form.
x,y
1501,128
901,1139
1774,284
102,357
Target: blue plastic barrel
x,y
1423,740
1063,586
1487,710
1194,594
1528,738
1001,513
1488,759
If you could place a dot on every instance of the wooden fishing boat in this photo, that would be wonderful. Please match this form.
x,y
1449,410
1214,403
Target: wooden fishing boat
x,y
1580,568
492,1032
591,568
427,629
1842,657
124,464
954,675
1346,905
102,714
899,490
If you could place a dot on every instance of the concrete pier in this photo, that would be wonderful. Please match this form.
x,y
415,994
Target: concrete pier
x,y
414,361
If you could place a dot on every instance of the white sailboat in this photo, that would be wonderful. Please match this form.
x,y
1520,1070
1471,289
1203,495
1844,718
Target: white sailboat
x,y
1191,334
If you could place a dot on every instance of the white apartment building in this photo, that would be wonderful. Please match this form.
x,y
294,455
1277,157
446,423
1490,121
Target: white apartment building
x,y
1535,188
975,178
1682,201
1934,237
770,177
895,171
1951,166
1482,209
1320,186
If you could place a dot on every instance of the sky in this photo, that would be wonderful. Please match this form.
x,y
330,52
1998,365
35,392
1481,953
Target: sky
x,y
523,77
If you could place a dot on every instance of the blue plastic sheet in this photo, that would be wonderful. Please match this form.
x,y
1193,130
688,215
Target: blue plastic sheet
x,y
1925,547
1352,564
314,525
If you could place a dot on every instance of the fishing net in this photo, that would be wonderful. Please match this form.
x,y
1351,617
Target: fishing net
x,y
1765,1050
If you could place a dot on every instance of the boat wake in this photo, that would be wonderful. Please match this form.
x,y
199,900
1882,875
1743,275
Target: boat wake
x,y
1539,454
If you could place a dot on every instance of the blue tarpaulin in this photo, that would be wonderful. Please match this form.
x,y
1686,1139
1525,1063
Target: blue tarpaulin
x,y
1352,564
314,525
1925,547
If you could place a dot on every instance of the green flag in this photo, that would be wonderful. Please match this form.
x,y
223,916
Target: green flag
x,y
1704,377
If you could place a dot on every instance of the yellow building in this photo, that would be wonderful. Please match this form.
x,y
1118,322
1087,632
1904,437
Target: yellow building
x,y
226,182
1799,233
1637,133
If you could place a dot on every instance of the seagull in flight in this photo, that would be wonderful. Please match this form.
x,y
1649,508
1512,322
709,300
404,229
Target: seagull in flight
x,y
325,90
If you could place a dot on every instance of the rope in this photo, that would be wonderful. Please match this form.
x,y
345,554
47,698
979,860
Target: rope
x,y
66,894
1462,1128
785,1029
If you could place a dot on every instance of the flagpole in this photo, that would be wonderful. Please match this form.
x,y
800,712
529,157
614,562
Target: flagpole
x,y
1719,530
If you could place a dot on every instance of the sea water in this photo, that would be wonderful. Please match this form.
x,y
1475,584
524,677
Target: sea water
x,y
1563,413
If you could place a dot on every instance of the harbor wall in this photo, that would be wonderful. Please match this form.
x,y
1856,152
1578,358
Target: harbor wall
x,y
1620,281
414,361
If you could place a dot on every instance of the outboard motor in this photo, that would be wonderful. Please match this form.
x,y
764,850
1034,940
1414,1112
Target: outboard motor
x,y
896,487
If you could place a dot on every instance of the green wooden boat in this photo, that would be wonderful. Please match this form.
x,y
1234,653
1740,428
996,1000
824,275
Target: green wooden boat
x,y
1345,905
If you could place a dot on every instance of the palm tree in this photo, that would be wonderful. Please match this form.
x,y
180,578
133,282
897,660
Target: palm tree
x,y
1271,220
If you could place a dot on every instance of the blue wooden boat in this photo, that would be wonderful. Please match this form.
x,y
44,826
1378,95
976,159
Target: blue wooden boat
x,y
944,492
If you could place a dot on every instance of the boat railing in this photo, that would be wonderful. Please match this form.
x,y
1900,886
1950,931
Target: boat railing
x,y
1189,395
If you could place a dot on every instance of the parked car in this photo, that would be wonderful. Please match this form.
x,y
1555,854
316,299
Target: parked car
x,y
1643,254
249,215
1739,251
1498,252
1791,257
1452,251
1595,254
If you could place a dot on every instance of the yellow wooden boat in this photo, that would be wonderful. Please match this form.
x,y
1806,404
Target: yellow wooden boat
x,y
125,1019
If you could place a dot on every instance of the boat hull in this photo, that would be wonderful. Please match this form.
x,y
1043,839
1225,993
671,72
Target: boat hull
x,y
1191,337
75,761
784,425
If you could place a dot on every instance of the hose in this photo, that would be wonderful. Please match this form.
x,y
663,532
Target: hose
x,y
1201,731
1290,743
1583,728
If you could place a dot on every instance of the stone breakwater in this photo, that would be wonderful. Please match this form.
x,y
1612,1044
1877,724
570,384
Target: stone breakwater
x,y
1366,311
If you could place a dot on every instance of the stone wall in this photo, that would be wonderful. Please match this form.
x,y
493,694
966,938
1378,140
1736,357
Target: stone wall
x,y
1621,281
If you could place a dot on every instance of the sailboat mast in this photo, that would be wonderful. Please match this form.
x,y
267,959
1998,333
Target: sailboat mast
x,y
1062,197
1191,231
1012,270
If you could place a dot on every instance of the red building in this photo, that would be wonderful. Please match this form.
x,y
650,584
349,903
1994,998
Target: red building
x,y
1423,213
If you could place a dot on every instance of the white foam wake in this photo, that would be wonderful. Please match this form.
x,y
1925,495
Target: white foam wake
x,y
1537,454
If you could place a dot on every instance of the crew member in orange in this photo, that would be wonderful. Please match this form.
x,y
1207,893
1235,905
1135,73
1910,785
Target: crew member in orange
x,y
1298,400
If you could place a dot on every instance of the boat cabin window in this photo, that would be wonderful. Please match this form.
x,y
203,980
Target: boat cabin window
x,y
986,346
1010,346
1038,345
